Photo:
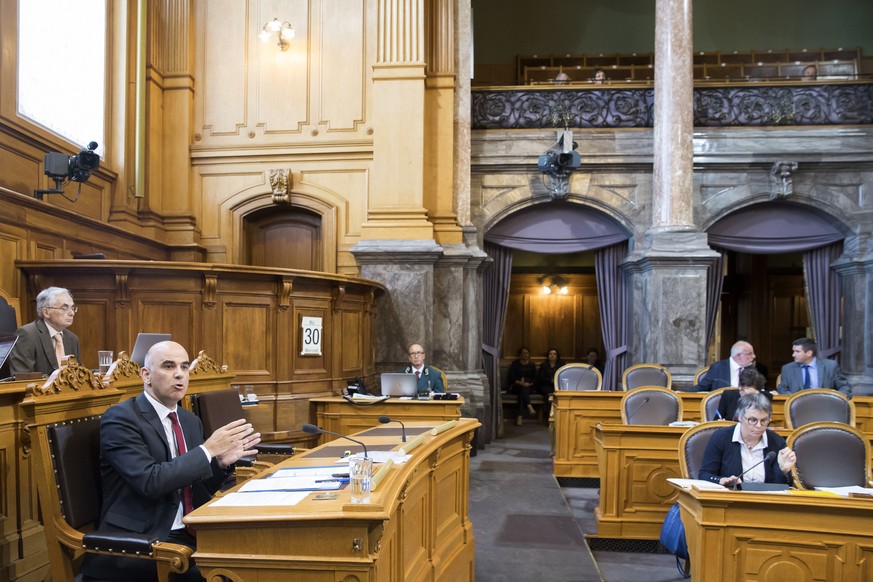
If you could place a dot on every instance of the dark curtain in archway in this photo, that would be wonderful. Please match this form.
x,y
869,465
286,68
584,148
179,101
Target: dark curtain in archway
x,y
555,228
782,227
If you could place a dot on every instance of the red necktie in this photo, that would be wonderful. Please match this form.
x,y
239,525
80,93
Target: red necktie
x,y
187,496
417,375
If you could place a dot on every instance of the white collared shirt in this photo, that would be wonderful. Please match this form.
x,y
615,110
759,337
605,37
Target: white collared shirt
x,y
164,414
735,373
751,456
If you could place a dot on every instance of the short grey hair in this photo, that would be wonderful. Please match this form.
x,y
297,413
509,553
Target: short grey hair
x,y
754,401
47,297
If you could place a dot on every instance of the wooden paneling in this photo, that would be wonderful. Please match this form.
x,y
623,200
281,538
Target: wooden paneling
x,y
570,323
245,317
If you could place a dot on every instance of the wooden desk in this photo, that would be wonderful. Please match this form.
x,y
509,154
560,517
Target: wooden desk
x,y
634,463
768,537
336,414
578,412
416,526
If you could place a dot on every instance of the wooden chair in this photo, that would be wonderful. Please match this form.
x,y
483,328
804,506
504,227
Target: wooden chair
x,y
830,454
692,445
651,405
578,377
709,404
443,376
646,375
218,408
818,405
64,420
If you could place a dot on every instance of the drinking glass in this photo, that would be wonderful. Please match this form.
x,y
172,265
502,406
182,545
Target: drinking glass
x,y
360,478
104,359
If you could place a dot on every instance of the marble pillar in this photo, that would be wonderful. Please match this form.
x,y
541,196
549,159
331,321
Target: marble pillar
x,y
434,299
667,269
855,268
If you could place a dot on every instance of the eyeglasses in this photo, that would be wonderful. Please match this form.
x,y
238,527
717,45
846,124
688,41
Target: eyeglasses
x,y
65,308
416,353
757,421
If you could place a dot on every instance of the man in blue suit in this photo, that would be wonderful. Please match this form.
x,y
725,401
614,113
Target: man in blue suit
x,y
155,465
809,371
726,373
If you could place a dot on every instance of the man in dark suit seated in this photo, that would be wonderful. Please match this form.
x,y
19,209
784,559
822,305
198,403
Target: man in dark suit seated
x,y
726,373
809,371
751,381
42,343
155,465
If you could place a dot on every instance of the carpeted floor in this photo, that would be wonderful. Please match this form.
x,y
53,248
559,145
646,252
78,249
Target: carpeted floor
x,y
528,528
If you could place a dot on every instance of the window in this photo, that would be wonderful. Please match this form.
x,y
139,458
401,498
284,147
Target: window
x,y
62,67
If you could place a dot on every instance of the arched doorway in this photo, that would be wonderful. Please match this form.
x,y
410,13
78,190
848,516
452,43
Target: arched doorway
x,y
284,236
557,229
778,284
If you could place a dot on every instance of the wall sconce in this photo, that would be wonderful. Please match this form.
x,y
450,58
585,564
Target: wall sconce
x,y
284,31
556,282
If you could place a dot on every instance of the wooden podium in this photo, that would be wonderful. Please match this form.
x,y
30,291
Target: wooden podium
x,y
337,414
777,537
415,528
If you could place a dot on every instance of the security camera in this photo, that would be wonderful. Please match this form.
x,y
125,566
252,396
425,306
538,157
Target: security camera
x,y
562,157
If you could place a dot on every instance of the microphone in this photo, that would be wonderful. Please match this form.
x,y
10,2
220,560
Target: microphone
x,y
767,458
312,429
387,419
637,409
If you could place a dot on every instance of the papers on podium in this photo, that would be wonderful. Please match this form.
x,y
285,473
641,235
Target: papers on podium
x,y
697,484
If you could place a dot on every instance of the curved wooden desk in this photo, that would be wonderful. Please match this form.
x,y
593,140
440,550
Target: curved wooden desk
x,y
769,537
415,528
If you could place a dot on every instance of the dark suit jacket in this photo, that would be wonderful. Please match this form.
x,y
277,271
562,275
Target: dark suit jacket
x,y
829,376
141,481
719,376
722,457
35,350
428,374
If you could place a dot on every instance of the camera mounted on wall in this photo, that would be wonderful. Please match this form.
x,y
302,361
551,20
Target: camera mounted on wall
x,y
64,169
558,163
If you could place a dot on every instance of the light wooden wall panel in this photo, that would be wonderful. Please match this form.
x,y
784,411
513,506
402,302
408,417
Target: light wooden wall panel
x,y
351,349
342,46
226,71
250,324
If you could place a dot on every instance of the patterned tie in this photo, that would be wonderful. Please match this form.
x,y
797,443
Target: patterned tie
x,y
59,347
807,381
187,494
417,375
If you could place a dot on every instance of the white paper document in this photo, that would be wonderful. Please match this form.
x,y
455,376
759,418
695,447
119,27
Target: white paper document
x,y
697,484
379,457
845,491
260,499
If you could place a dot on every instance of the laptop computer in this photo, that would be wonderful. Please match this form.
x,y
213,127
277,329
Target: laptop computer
x,y
398,384
7,342
144,342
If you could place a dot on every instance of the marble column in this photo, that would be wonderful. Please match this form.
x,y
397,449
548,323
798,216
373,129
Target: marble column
x,y
434,299
855,268
667,269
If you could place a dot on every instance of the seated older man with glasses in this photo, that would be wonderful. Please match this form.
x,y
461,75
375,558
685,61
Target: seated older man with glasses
x,y
734,454
44,342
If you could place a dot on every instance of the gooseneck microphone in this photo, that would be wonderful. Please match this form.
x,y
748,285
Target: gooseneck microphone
x,y
767,458
637,409
387,419
312,429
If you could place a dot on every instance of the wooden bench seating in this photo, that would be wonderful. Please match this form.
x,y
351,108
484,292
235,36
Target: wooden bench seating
x,y
510,405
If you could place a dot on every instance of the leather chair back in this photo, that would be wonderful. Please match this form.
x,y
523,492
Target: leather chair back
x,y
709,405
578,377
830,454
692,445
216,409
651,405
646,375
75,456
818,405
